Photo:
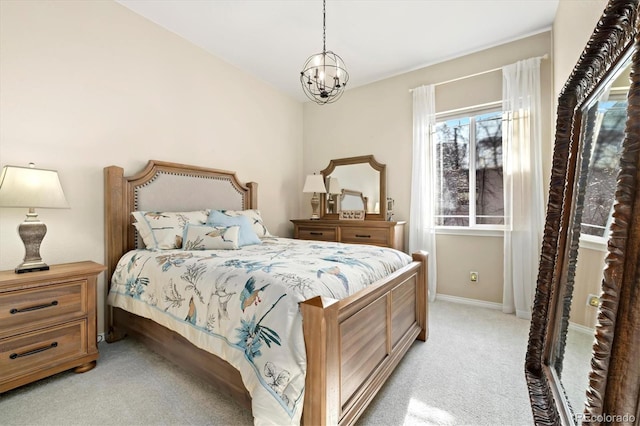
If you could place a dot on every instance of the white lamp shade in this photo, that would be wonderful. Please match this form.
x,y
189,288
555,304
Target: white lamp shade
x,y
334,186
31,188
314,183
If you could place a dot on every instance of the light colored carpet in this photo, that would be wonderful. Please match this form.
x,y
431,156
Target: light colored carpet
x,y
469,372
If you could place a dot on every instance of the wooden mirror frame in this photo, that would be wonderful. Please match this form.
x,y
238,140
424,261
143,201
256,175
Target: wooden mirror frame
x,y
614,379
364,159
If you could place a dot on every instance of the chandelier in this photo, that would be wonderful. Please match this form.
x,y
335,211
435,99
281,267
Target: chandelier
x,y
324,75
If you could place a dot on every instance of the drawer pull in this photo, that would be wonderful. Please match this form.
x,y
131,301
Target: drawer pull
x,y
362,236
33,308
315,233
34,351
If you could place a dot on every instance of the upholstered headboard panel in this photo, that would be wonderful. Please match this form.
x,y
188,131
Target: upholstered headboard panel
x,y
164,186
188,192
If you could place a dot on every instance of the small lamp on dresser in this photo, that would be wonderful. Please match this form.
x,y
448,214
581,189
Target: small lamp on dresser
x,y
314,183
31,188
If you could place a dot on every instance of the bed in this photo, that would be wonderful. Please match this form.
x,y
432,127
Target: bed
x,y
351,342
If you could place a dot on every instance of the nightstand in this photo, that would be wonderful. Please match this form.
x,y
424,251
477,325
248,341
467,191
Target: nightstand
x,y
48,322
373,232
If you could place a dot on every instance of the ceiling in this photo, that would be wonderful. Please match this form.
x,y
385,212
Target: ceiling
x,y
377,39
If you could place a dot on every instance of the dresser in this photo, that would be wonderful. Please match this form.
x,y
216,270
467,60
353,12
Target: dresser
x,y
48,322
374,232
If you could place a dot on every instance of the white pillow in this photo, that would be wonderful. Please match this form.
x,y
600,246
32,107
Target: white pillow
x,y
209,237
254,217
164,230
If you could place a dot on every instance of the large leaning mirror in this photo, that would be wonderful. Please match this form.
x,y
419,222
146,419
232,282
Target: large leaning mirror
x,y
354,183
583,358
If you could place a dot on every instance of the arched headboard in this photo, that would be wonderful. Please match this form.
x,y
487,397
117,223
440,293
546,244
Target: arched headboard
x,y
164,186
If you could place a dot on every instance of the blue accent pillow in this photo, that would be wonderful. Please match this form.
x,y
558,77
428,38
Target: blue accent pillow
x,y
247,234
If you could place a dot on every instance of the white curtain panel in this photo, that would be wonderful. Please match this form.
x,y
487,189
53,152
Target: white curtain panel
x,y
422,234
523,195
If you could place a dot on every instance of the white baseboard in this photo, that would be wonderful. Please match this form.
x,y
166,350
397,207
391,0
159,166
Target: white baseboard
x,y
582,329
466,301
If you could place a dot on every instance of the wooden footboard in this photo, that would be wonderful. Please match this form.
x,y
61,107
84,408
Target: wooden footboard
x,y
354,344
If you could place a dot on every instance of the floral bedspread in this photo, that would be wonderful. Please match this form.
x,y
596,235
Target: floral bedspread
x,y
242,305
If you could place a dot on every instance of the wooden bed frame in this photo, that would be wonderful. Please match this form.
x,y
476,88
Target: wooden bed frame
x,y
352,345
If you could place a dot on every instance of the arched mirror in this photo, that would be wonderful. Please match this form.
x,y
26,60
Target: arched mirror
x,y
354,183
583,358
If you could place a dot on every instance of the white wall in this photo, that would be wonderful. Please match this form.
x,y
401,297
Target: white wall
x,y
572,27
87,84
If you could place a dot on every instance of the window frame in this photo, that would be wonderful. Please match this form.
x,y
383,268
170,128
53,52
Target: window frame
x,y
468,112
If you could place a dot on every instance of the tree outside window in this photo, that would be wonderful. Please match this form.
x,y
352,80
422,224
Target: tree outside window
x,y
603,167
468,154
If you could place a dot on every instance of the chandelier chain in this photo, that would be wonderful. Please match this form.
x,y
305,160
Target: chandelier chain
x,y
324,26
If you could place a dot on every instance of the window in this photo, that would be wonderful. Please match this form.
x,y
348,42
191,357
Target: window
x,y
468,155
608,135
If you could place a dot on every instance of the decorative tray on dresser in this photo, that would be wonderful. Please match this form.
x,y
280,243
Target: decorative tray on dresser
x,y
374,232
48,322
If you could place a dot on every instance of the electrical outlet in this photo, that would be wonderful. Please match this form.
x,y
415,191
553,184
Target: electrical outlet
x,y
593,300
473,277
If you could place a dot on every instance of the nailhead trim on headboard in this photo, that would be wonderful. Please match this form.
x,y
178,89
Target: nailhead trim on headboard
x,y
221,178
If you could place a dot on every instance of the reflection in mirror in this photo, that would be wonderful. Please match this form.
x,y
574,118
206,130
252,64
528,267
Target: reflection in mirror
x,y
355,183
333,194
359,178
582,320
602,130
353,200
605,126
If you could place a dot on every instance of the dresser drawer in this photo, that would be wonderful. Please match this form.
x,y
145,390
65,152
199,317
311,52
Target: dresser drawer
x,y
27,352
30,308
321,233
364,235
375,232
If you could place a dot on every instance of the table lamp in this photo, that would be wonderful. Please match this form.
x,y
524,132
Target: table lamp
x,y
31,188
314,183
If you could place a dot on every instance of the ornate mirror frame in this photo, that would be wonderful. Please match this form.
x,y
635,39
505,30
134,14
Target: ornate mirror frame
x,y
364,159
614,379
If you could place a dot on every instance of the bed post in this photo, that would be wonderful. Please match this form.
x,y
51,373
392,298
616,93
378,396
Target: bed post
x,y
253,195
422,301
114,233
321,336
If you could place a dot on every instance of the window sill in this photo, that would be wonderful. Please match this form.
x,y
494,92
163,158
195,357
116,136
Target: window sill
x,y
472,232
592,242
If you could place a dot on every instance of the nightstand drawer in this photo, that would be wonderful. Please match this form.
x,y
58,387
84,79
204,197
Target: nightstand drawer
x,y
321,233
31,308
363,235
31,351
